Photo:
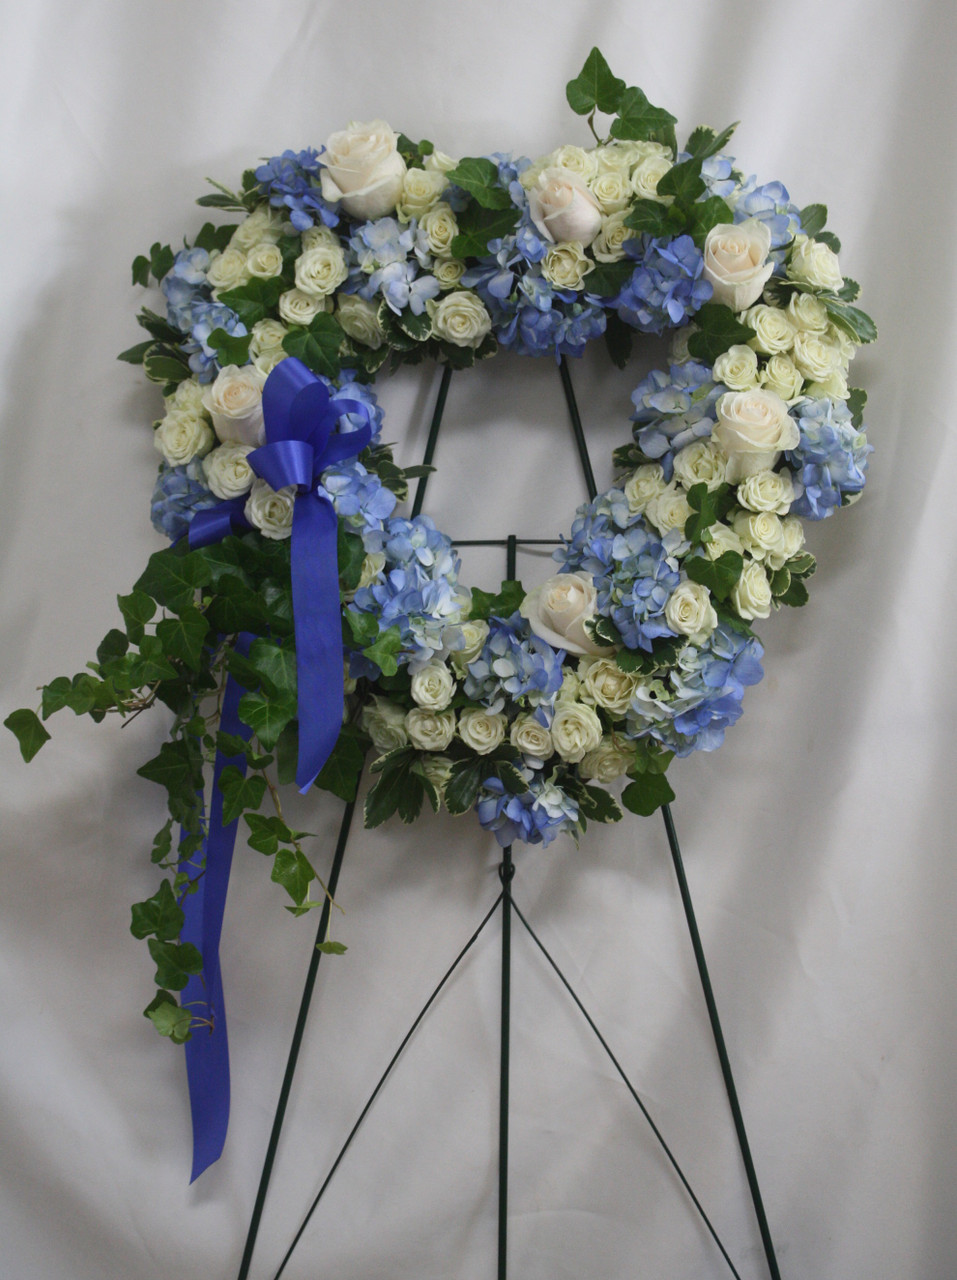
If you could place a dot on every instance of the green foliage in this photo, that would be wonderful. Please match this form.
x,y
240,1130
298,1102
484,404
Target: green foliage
x,y
239,792
341,772
172,577
716,329
479,177
159,916
176,962
230,349
330,948
607,278
639,121
813,218
708,507
595,87
648,792
350,553
211,237
254,301
384,649
618,340
478,225
401,788
168,1018
719,576
318,346
639,662
28,730
854,322
594,803
500,604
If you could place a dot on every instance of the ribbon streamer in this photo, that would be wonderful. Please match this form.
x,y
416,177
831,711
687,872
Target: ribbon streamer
x,y
300,417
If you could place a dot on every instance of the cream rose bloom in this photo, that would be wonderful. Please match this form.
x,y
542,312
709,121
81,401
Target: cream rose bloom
x,y
644,485
575,160
474,635
440,227
317,235
270,510
808,312
321,270
737,368
430,730
762,535
482,730
461,318
612,191
360,320
689,612
609,761
227,472
565,265
782,376
767,491
234,402
736,262
562,207
609,244
558,610
227,270
531,738
296,307
813,263
753,429
833,386
384,722
604,683
751,595
647,173
267,335
816,358
773,330
576,730
438,162
670,510
701,463
448,271
421,189
264,260
263,224
722,539
433,686
188,395
182,436
363,169
792,539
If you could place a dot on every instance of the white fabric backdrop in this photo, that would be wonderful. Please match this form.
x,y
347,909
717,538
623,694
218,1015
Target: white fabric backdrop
x,y
818,841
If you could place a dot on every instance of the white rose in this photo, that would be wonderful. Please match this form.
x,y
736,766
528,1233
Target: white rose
x,y
753,429
363,169
612,191
647,174
792,539
300,308
188,395
234,402
227,472
438,770
773,330
783,377
644,485
751,595
816,358
813,263
562,207
566,265
448,271
360,320
421,189
481,730
761,533
182,436
266,361
575,160
461,318
270,510
614,157
433,686
701,463
689,612
263,224
722,539
264,261
767,491
609,761
437,161
530,737
570,686
440,228
736,262
384,722
670,510
833,387
609,244
267,335
474,635
808,312
737,368
227,270
558,610
604,683
321,270
430,730
317,235
576,730
679,344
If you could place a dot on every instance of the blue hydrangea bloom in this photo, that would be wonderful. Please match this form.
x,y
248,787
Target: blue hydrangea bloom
x,y
667,286
830,462
358,496
204,318
515,662
674,409
535,817
291,181
178,494
185,284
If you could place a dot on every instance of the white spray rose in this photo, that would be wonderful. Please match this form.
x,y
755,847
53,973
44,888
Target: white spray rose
x,y
562,207
833,387
753,429
440,228
264,260
433,686
808,312
234,402
360,320
430,730
182,436
604,683
421,189
558,610
461,318
612,191
300,308
474,635
575,160
384,722
736,262
263,224
751,595
438,162
701,463
813,263
773,330
317,235
363,169
530,737
647,173
722,539
689,612
227,472
609,244
792,539
761,534
670,510
266,361
321,270
227,270
576,730
816,358
610,760
783,377
570,687
565,265
188,395
767,491
737,368
267,335
448,271
270,510
644,485
481,730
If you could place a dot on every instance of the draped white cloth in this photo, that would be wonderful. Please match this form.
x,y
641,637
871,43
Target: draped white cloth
x,y
818,840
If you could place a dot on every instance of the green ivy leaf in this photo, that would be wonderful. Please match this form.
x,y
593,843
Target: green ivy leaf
x,y
168,1018
255,300
160,915
29,732
704,142
340,774
183,636
363,627
318,346
479,177
683,181
595,86
176,962
211,237
705,214
230,349
607,278
267,715
813,219
717,329
500,604
648,217
708,506
618,340
163,842
719,576
329,948
239,793
477,226
161,260
638,120
137,609
647,793
351,554
172,578
383,651
141,271
178,768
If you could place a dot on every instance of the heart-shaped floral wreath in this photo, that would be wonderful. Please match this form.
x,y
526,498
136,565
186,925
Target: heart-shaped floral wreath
x,y
522,706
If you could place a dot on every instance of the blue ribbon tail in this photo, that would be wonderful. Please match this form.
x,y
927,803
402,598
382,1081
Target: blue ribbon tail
x,y
207,1051
318,623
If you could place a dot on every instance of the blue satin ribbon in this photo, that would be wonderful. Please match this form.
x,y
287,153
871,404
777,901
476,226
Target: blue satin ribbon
x,y
300,417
